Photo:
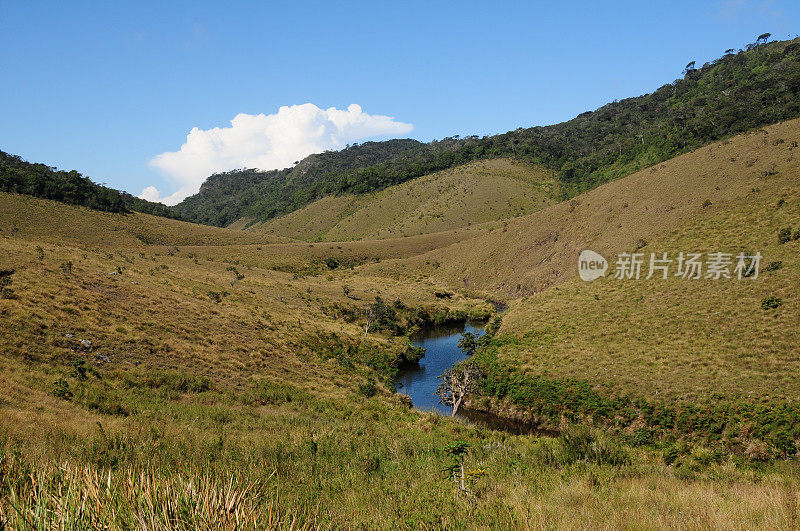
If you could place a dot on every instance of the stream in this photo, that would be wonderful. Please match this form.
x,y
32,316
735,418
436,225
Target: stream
x,y
441,353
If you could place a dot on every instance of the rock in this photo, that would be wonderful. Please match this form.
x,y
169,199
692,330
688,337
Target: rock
x,y
85,343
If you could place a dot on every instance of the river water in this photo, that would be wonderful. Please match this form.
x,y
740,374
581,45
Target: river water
x,y
441,353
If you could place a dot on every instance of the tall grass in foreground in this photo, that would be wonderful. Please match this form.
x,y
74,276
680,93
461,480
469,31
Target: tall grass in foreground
x,y
68,496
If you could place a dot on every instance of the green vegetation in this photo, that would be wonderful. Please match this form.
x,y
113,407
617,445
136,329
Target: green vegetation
x,y
771,302
736,93
21,177
166,375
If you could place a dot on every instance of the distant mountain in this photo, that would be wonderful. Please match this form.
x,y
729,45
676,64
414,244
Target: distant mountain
x,y
735,93
39,180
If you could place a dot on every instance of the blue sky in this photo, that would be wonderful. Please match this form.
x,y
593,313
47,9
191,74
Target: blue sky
x,y
105,88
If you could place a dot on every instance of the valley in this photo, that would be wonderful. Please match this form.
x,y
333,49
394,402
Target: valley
x,y
253,357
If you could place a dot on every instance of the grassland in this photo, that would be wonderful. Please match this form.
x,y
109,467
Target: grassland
x,y
529,254
164,375
473,194
621,349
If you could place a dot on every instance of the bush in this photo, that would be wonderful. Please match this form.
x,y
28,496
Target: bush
x,y
61,389
771,302
643,437
275,394
177,382
217,296
774,266
671,454
785,235
79,370
5,282
583,444
784,442
368,388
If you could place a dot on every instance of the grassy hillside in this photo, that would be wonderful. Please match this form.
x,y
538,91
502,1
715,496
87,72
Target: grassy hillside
x,y
196,382
531,253
733,94
472,194
654,360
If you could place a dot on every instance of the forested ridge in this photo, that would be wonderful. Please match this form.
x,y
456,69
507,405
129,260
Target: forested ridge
x,y
740,91
71,187
735,93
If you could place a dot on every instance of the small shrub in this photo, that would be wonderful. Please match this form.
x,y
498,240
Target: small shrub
x,y
61,389
79,370
368,388
707,203
671,454
275,394
39,252
784,442
66,267
771,302
5,282
796,235
217,296
642,437
774,266
757,451
583,444
785,235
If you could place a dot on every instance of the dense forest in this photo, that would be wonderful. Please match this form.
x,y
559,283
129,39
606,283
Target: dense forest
x,y
735,93
22,177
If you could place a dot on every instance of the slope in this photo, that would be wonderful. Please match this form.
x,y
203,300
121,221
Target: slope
x,y
200,386
716,358
534,252
472,194
730,95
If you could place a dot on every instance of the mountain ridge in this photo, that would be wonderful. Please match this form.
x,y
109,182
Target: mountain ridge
x,y
731,95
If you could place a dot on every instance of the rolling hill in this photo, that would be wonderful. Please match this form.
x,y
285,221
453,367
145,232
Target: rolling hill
x,y
730,95
714,358
476,193
232,378
533,252
162,374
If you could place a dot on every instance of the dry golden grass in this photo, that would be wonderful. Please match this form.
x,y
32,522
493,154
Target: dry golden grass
x,y
679,338
309,450
534,252
473,194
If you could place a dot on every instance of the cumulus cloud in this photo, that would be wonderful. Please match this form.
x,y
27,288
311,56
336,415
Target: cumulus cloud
x,y
266,142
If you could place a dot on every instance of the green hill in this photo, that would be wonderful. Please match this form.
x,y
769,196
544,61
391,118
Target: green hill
x,y
164,374
733,94
713,359
22,177
472,194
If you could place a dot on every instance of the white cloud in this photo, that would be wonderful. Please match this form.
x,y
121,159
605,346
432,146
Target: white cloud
x,y
150,194
265,142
